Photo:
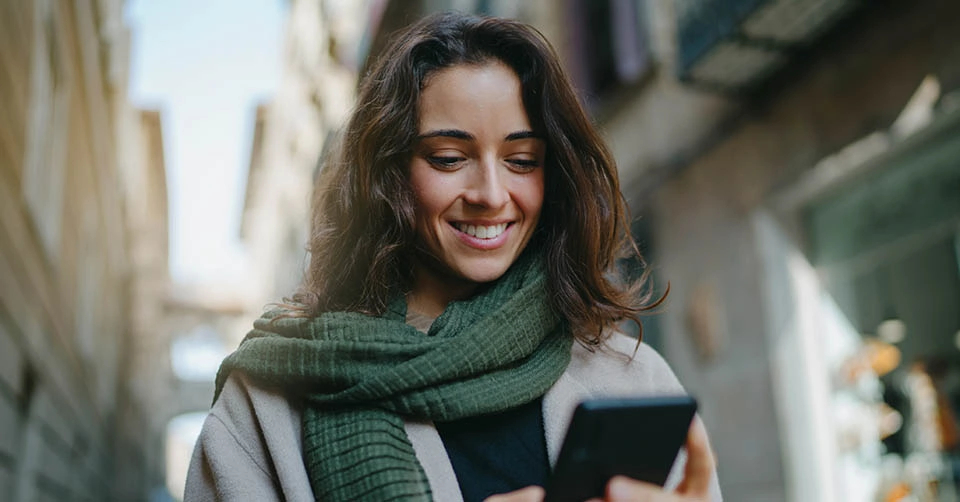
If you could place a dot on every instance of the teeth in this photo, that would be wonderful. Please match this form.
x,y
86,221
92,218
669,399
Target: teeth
x,y
482,232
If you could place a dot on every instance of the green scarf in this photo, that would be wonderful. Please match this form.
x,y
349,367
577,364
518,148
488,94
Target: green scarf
x,y
359,376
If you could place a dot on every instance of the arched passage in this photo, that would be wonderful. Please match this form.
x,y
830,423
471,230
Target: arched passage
x,y
181,436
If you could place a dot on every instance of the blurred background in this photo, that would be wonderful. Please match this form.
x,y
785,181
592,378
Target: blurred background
x,y
793,168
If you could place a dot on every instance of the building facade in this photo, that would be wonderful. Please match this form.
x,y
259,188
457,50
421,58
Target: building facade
x,y
791,167
291,132
82,258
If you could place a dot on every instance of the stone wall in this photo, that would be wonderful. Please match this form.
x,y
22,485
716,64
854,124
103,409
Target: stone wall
x,y
67,422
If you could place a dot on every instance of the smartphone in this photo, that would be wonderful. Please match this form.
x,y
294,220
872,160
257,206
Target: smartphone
x,y
635,437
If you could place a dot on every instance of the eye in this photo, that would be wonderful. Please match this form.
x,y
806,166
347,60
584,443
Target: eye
x,y
445,161
524,164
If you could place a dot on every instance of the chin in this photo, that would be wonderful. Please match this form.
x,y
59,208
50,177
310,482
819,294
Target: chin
x,y
483,274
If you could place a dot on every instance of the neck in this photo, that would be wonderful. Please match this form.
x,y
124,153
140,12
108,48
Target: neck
x,y
432,292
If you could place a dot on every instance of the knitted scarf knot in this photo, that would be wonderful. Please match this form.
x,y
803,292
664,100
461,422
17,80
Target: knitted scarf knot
x,y
359,376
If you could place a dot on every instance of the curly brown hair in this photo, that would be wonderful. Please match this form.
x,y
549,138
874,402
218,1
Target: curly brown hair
x,y
363,228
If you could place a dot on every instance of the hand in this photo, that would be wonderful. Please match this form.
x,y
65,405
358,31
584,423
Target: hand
x,y
528,494
696,476
695,486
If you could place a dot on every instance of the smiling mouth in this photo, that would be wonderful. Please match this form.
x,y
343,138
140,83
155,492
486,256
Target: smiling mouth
x,y
482,231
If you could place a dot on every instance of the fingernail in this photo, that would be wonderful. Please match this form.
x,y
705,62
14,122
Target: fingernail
x,y
619,489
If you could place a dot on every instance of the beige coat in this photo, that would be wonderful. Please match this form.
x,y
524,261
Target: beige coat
x,y
250,447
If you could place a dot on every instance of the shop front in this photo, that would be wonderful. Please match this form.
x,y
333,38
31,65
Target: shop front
x,y
866,337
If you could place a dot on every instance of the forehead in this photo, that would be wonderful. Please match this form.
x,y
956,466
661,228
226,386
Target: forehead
x,y
485,95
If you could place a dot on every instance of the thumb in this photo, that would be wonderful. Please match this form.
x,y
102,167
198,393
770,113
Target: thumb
x,y
700,462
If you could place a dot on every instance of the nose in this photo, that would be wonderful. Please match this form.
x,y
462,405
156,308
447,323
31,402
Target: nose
x,y
487,185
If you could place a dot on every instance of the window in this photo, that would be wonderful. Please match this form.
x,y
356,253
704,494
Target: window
x,y
196,355
610,46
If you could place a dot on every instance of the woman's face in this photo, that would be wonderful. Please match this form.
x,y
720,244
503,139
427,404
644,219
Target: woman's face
x,y
477,172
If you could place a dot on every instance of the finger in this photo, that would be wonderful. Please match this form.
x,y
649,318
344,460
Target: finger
x,y
528,494
622,488
700,462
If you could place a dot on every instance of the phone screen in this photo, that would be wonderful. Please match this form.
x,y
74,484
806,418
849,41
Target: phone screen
x,y
635,437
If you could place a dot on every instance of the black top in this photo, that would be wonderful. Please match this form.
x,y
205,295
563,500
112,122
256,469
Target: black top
x,y
498,453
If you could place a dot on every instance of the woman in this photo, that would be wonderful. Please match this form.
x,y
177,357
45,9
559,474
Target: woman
x,y
460,298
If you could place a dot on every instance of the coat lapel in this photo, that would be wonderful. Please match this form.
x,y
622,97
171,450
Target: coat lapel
x,y
433,457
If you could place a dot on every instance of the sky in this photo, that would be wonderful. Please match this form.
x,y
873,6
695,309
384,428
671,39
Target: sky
x,y
205,64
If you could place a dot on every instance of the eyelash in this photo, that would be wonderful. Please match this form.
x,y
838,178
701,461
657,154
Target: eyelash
x,y
525,163
445,162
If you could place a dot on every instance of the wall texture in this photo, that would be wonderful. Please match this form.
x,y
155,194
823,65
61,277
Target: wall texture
x,y
69,423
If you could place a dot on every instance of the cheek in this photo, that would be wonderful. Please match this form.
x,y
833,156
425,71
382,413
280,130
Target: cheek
x,y
530,195
431,195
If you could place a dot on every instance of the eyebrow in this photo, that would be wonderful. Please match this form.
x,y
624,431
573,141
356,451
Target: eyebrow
x,y
514,136
447,133
464,135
